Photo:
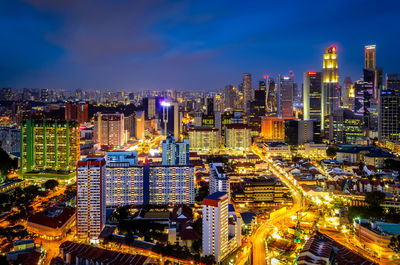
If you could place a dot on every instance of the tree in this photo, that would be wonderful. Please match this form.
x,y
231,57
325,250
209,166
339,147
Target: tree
x,y
375,198
331,151
121,213
7,163
50,184
395,244
209,260
3,260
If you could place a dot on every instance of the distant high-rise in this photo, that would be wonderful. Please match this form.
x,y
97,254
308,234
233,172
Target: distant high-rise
x,y
389,110
370,57
312,85
90,198
247,93
230,97
76,112
139,125
109,130
330,96
285,96
347,93
345,127
175,153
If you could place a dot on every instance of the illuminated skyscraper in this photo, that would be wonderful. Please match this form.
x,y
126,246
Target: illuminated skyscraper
x,y
247,93
370,57
347,93
330,96
230,97
285,96
389,110
312,95
109,129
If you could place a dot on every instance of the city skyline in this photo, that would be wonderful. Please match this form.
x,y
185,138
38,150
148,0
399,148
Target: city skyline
x,y
185,45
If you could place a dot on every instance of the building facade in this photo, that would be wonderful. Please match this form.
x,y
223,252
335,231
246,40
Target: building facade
x,y
203,139
312,86
91,198
219,181
175,153
109,130
238,137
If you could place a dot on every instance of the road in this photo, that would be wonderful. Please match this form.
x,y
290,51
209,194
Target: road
x,y
258,238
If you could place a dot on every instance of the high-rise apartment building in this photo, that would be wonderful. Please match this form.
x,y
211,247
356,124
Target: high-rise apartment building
x,y
175,153
215,225
123,179
90,199
203,139
238,137
218,181
76,112
48,144
285,96
109,130
330,96
247,91
312,86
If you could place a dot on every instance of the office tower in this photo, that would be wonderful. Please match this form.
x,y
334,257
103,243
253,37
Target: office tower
x,y
372,74
347,93
299,132
169,114
230,97
285,98
215,225
109,130
124,179
76,112
345,127
219,181
247,92
238,137
49,144
362,102
330,96
257,109
151,107
273,129
203,139
312,85
370,57
140,124
90,198
198,118
175,153
129,126
271,94
210,105
389,110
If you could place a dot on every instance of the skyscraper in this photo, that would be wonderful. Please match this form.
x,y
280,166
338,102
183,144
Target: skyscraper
x,y
247,92
215,225
76,112
139,125
370,57
389,110
312,86
90,199
285,96
230,97
109,130
347,98
330,96
175,153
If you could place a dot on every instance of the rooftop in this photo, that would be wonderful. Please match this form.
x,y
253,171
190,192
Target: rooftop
x,y
215,196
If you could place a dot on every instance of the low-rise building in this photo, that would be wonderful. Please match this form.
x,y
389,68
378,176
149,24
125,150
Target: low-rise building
x,y
277,149
52,223
261,192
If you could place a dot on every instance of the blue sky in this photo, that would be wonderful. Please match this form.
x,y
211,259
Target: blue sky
x,y
199,45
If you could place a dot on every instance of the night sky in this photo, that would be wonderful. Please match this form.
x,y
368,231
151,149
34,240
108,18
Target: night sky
x,y
198,45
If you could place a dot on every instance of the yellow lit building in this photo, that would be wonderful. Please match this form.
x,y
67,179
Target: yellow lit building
x,y
203,139
330,97
273,129
238,137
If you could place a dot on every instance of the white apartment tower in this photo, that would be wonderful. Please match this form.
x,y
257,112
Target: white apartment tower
x,y
215,225
90,199
219,181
